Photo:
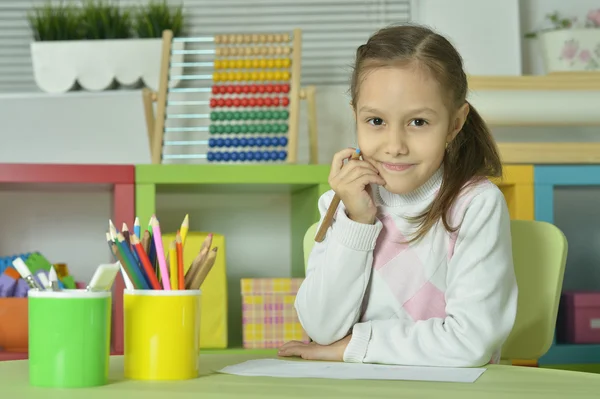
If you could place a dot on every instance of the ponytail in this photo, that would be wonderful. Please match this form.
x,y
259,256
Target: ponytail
x,y
472,154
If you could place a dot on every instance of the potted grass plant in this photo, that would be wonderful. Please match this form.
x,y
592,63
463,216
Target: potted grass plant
x,y
99,45
570,45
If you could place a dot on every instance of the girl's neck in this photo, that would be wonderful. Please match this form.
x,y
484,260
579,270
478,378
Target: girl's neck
x,y
424,193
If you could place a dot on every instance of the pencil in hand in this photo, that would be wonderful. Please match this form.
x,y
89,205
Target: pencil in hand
x,y
328,218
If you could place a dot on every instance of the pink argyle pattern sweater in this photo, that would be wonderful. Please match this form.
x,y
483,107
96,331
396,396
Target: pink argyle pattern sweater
x,y
449,299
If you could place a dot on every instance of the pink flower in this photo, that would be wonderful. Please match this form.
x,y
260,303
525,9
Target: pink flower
x,y
594,17
585,55
570,49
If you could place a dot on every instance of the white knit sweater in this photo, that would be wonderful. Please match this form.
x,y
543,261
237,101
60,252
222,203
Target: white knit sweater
x,y
445,300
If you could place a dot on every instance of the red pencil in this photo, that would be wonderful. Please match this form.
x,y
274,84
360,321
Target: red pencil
x,y
137,245
180,275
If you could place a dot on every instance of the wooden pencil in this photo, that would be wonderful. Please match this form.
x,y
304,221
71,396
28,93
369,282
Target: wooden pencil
x,y
195,267
204,269
328,218
146,242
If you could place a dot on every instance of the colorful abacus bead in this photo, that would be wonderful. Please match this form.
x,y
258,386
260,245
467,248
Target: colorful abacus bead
x,y
219,156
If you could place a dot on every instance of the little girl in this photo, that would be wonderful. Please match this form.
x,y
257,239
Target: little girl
x,y
416,268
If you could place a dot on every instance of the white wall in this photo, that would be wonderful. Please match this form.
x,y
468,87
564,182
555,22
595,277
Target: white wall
x,y
493,24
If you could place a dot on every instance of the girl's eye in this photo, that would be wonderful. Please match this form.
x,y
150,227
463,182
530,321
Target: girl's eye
x,y
376,121
419,122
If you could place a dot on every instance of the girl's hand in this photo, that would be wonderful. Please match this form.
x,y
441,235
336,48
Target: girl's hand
x,y
351,183
314,351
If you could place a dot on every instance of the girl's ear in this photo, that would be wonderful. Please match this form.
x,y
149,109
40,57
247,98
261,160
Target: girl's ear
x,y
458,121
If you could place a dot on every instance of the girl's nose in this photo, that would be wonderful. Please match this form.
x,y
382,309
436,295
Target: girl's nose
x,y
396,144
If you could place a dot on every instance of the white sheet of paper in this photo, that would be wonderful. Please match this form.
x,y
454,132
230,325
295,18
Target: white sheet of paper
x,y
351,371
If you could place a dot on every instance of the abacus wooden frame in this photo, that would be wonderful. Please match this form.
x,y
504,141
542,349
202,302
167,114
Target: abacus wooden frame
x,y
155,123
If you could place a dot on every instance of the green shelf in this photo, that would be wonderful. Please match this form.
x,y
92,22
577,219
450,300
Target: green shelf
x,y
227,174
305,184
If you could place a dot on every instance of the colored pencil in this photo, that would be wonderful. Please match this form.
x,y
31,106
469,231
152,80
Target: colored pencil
x,y
194,268
130,264
136,227
117,255
204,269
146,243
137,246
160,254
185,227
125,232
205,246
180,275
112,230
173,265
152,248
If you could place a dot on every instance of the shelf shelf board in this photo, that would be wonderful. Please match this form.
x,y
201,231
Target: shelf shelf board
x,y
588,81
550,153
571,354
66,173
226,174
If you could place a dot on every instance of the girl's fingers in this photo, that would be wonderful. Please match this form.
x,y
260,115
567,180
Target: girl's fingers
x,y
338,159
353,168
367,179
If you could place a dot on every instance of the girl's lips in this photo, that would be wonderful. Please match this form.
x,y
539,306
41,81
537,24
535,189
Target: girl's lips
x,y
397,167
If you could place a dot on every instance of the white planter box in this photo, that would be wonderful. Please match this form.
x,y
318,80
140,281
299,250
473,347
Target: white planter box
x,y
571,50
96,64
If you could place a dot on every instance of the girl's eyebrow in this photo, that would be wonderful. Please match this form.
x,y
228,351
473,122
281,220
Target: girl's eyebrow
x,y
422,110
366,108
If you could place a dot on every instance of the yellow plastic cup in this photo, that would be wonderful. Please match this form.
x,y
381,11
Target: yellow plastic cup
x,y
162,334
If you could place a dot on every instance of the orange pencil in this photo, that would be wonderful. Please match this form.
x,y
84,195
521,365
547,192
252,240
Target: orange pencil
x,y
148,269
180,275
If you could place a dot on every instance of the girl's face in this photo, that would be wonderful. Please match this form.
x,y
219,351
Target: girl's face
x,y
404,124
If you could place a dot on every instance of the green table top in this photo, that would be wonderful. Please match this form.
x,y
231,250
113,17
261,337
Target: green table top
x,y
497,382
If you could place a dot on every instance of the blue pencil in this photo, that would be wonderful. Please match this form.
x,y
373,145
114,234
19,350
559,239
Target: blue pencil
x,y
136,228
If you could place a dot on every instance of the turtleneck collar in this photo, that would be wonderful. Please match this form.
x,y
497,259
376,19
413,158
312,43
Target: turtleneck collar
x,y
423,193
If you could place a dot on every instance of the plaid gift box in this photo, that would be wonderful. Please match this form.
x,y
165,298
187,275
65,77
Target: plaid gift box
x,y
269,318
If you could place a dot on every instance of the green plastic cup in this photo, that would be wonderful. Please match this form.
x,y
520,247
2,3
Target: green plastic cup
x,y
69,338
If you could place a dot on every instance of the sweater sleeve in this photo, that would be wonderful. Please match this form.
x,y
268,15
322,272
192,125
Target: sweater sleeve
x,y
481,301
329,300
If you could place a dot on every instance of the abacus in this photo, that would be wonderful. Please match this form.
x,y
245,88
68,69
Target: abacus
x,y
249,87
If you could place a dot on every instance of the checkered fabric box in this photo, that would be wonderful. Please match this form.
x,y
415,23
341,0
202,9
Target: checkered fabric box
x,y
269,318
